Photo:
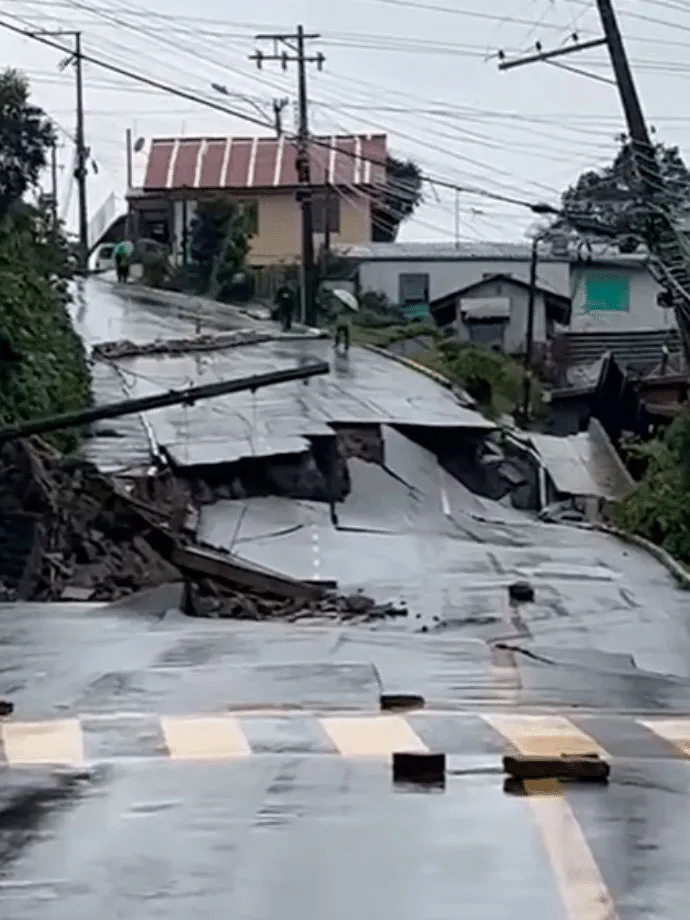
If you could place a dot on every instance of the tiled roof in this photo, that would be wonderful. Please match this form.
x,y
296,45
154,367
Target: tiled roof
x,y
261,162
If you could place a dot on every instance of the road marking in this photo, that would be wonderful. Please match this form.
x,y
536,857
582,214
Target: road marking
x,y
214,738
580,884
675,731
548,736
505,674
377,736
58,742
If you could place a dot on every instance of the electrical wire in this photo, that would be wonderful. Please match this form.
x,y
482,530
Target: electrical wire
x,y
212,104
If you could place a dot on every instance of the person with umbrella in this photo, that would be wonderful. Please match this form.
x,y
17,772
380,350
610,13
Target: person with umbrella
x,y
346,305
122,255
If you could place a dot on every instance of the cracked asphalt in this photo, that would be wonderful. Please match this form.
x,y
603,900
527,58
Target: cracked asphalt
x,y
156,765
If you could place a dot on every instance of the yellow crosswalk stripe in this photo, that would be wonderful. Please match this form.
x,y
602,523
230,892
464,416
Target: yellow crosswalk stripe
x,y
57,742
675,731
580,884
374,736
548,736
204,738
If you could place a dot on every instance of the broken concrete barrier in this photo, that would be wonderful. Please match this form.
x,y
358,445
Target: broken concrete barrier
x,y
582,767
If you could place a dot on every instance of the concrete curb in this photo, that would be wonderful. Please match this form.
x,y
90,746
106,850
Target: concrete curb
x,y
413,365
463,398
681,575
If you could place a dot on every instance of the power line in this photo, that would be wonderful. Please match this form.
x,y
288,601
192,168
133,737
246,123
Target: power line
x,y
243,116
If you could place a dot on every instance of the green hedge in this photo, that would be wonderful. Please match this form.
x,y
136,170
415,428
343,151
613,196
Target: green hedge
x,y
44,369
659,506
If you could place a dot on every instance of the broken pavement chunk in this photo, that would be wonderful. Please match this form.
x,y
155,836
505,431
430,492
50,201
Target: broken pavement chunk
x,y
580,767
521,591
421,768
389,701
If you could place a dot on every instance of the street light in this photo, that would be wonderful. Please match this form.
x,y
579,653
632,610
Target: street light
x,y
222,90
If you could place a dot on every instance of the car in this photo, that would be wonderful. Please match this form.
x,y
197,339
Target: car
x,y
105,258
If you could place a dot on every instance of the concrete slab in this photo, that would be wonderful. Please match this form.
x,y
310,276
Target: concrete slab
x,y
185,454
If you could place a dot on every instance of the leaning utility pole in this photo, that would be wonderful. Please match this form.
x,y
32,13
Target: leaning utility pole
x,y
295,43
669,262
186,397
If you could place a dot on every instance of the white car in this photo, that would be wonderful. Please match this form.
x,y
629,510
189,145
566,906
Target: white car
x,y
105,258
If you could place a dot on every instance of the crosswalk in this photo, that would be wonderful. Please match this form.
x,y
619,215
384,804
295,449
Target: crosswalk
x,y
91,738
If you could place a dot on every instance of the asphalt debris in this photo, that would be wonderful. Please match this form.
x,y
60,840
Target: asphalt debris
x,y
210,600
125,348
68,532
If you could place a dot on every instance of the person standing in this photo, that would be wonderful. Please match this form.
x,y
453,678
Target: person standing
x,y
122,261
343,328
285,302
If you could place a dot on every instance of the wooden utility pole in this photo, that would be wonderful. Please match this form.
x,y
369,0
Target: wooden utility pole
x,y
82,153
529,336
326,214
54,185
294,52
186,397
128,158
643,151
669,263
80,172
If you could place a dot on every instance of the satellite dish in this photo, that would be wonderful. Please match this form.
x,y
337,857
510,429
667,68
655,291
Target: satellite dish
x,y
139,144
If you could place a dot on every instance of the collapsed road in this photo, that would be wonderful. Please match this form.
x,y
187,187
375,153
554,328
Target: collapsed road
x,y
203,764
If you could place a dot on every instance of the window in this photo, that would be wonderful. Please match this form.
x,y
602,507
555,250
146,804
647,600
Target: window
x,y
489,333
606,291
414,289
251,211
318,211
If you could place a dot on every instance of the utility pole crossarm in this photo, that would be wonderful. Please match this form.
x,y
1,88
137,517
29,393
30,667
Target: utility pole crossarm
x,y
668,256
549,55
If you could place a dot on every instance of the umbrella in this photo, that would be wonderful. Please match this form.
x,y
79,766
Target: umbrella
x,y
346,298
125,248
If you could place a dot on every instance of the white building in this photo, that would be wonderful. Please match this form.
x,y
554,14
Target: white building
x,y
609,292
493,312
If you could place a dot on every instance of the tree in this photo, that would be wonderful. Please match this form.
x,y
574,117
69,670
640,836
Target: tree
x,y
44,369
402,195
220,243
613,198
659,506
26,135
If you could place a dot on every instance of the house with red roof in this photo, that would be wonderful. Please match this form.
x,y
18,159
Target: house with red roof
x,y
170,176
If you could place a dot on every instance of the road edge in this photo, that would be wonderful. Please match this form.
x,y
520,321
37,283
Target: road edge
x,y
413,365
679,572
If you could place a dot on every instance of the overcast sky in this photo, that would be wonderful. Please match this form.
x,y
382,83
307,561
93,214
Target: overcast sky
x,y
422,71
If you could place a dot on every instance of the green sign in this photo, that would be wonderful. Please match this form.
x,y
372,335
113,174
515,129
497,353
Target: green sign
x,y
607,292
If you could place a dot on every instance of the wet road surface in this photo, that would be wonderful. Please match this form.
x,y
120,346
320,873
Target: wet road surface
x,y
157,766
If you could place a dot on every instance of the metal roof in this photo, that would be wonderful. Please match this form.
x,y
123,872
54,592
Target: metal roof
x,y
499,276
261,162
472,250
